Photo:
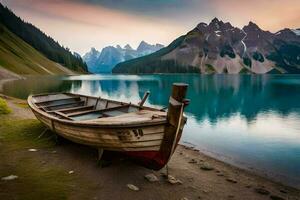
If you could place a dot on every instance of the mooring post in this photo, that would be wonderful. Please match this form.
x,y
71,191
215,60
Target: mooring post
x,y
177,98
177,102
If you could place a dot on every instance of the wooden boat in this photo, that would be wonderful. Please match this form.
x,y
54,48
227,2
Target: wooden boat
x,y
146,134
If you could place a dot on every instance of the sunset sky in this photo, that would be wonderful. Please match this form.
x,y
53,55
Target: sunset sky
x,y
82,24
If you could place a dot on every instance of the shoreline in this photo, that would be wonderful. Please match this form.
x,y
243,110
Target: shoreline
x,y
201,176
7,76
3,81
209,155
247,167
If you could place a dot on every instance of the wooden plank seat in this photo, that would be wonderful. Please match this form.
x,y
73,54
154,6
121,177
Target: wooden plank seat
x,y
62,106
62,115
73,109
48,102
113,113
99,110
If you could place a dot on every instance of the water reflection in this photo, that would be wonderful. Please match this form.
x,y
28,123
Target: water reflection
x,y
213,97
244,119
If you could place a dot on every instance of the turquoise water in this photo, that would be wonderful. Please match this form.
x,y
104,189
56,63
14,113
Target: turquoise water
x,y
248,120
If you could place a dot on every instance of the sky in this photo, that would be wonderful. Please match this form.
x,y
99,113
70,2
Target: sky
x,y
82,24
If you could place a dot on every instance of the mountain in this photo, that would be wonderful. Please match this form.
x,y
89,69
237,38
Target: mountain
x,y
105,61
90,58
296,31
20,58
77,55
144,48
219,47
40,41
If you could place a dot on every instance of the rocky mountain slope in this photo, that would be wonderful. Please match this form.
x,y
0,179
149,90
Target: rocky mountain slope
x,y
297,31
105,61
219,47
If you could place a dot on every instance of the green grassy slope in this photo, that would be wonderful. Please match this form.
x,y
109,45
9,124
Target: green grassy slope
x,y
40,41
19,57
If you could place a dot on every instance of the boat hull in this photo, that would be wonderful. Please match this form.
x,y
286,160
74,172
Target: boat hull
x,y
143,143
148,135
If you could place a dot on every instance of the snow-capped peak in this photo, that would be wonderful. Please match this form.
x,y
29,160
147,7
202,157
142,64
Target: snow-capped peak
x,y
128,47
296,31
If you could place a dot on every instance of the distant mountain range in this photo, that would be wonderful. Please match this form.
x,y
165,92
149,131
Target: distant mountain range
x,y
109,57
219,47
24,49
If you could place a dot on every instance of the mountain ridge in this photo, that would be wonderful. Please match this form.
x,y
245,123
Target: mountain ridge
x,y
105,60
219,47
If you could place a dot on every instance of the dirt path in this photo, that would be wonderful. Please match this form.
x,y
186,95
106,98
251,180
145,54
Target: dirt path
x,y
80,178
19,107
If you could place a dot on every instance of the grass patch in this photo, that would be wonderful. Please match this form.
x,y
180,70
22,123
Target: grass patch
x,y
20,134
4,109
36,179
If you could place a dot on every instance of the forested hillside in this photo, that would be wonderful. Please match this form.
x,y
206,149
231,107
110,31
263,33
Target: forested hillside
x,y
40,41
20,58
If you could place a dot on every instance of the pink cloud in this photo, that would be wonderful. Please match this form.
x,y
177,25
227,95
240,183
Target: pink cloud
x,y
270,15
81,26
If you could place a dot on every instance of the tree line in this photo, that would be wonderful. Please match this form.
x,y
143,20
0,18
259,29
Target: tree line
x,y
40,41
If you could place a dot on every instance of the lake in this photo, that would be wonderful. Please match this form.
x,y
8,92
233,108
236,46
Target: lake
x,y
252,121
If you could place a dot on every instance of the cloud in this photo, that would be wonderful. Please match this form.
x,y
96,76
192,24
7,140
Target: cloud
x,y
81,24
270,15
54,9
144,6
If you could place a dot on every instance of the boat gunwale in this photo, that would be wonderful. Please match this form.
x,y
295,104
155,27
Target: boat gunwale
x,y
114,101
105,124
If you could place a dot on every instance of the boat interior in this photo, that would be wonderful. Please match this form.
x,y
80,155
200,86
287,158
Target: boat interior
x,y
75,107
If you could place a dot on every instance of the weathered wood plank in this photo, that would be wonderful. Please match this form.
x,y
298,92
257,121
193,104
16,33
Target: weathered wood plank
x,y
62,105
56,100
93,111
115,146
116,143
145,97
99,131
113,136
63,115
45,97
73,109
174,118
